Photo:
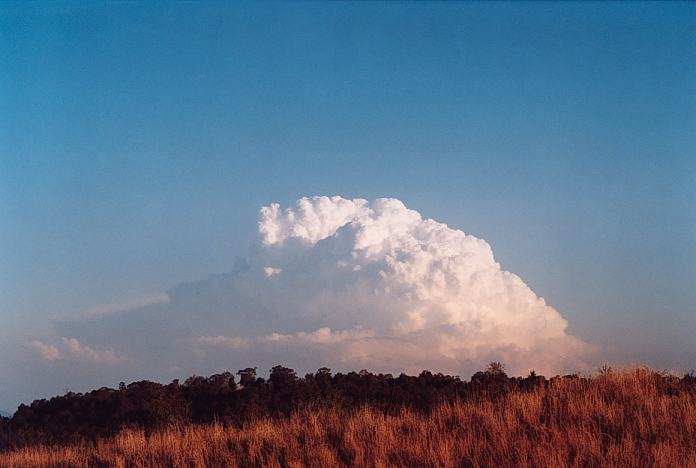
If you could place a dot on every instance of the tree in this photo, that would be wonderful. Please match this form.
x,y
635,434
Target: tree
x,y
247,376
496,368
282,375
222,381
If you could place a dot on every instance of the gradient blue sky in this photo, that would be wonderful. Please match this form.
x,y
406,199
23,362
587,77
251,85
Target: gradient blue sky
x,y
137,143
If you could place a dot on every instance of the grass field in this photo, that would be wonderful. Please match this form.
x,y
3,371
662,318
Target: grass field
x,y
617,419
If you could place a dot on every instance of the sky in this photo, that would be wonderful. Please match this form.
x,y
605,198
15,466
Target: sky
x,y
138,143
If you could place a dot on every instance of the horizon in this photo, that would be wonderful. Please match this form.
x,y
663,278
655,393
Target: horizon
x,y
235,378
190,186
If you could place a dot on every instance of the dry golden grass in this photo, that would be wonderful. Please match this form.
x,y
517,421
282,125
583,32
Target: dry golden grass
x,y
619,419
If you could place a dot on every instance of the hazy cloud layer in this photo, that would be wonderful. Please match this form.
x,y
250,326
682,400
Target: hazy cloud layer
x,y
346,283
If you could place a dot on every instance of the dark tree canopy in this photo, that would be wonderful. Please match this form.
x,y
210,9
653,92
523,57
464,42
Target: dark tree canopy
x,y
99,413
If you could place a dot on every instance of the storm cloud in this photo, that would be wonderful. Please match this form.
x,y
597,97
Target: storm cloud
x,y
348,284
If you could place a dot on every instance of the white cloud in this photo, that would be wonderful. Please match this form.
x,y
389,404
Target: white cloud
x,y
349,284
322,335
72,349
420,293
86,353
233,342
311,220
49,352
270,271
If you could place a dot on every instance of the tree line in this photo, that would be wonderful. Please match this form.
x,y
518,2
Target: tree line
x,y
222,397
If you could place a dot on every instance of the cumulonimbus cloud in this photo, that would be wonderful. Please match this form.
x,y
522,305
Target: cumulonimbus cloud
x,y
382,287
348,284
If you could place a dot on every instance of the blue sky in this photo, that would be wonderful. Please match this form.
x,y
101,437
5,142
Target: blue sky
x,y
137,143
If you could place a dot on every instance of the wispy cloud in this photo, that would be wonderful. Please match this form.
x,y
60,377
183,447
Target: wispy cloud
x,y
104,310
86,353
49,352
322,335
72,349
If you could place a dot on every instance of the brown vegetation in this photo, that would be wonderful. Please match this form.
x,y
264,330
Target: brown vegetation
x,y
613,419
